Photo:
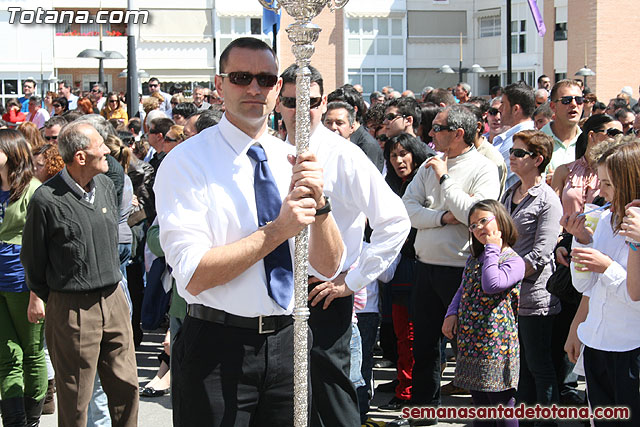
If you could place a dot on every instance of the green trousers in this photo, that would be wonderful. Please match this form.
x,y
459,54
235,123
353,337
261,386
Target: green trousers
x,y
23,370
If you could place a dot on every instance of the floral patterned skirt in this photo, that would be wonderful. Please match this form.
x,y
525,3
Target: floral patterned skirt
x,y
488,375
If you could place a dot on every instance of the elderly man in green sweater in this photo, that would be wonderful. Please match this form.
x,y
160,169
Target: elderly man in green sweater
x,y
70,257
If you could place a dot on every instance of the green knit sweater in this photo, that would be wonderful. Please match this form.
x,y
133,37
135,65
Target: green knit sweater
x,y
69,244
15,215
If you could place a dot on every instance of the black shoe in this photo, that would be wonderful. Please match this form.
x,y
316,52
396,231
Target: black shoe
x,y
384,363
389,387
395,404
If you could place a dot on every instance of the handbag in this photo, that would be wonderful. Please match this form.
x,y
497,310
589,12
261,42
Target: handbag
x,y
559,284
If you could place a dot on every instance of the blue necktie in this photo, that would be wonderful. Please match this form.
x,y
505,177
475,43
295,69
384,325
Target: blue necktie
x,y
277,264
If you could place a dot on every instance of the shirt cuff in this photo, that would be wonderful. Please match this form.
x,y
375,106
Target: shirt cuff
x,y
356,281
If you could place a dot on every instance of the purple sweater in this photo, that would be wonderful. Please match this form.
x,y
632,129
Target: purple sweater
x,y
495,278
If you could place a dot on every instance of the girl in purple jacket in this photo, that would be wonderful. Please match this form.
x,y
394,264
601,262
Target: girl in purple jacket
x,y
483,314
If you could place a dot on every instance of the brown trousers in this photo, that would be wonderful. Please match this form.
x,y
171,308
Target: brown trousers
x,y
89,331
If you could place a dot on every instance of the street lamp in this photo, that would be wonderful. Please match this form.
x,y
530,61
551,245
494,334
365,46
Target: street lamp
x,y
585,71
100,55
475,68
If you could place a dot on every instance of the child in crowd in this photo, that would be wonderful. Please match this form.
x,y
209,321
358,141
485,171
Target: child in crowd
x,y
483,314
607,320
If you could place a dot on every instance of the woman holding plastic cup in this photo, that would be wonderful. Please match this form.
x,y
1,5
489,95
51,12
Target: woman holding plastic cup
x,y
631,231
536,211
607,320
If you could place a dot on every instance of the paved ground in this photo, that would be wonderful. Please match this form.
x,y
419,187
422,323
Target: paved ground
x,y
156,412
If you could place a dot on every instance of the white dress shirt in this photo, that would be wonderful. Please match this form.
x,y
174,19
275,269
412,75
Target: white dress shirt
x,y
358,192
613,319
205,198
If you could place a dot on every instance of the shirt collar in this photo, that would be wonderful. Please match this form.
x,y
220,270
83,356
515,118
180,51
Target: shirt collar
x,y
77,188
527,124
237,139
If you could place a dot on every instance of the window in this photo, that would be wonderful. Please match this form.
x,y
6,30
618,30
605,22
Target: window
x,y
437,23
518,36
375,36
489,26
93,29
521,76
233,27
373,79
560,76
561,31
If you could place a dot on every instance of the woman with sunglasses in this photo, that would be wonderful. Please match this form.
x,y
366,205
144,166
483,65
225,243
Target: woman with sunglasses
x,y
60,106
113,108
536,211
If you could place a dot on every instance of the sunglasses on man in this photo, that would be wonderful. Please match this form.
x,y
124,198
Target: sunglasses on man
x,y
242,78
290,101
566,100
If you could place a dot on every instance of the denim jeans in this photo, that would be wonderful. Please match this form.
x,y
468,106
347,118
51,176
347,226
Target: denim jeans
x,y
98,413
368,325
355,373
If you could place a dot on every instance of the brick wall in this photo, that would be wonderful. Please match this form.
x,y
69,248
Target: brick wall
x,y
328,57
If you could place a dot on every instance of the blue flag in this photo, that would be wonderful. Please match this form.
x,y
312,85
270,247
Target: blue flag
x,y
269,17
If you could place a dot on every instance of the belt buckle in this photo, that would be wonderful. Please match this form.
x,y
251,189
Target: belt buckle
x,y
261,330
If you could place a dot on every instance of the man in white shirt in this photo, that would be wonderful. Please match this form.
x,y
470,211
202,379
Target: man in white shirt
x,y
97,96
518,104
198,98
438,200
566,102
64,89
234,354
37,115
357,192
154,86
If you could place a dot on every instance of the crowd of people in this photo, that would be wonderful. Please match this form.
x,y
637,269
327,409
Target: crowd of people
x,y
509,226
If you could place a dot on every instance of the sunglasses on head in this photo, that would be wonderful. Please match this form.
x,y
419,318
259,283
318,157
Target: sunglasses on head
x,y
493,111
242,78
290,101
610,132
520,153
566,100
440,128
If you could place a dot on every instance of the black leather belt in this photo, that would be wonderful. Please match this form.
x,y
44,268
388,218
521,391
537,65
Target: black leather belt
x,y
260,324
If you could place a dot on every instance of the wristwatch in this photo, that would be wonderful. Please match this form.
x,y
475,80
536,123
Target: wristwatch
x,y
443,177
325,209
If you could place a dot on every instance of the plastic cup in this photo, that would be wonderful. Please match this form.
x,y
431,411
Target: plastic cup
x,y
636,212
591,221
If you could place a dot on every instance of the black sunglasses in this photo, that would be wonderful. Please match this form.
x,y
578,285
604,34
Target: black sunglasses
x,y
610,132
439,128
389,117
242,78
493,111
49,138
290,101
566,100
154,131
56,105
520,153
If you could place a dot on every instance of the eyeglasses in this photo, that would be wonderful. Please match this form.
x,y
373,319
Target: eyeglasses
x,y
154,85
56,105
243,78
482,222
566,100
520,153
113,100
95,91
389,117
440,128
610,132
290,102
493,111
49,138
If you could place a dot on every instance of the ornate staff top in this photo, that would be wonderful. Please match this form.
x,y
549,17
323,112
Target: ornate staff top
x,y
303,10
